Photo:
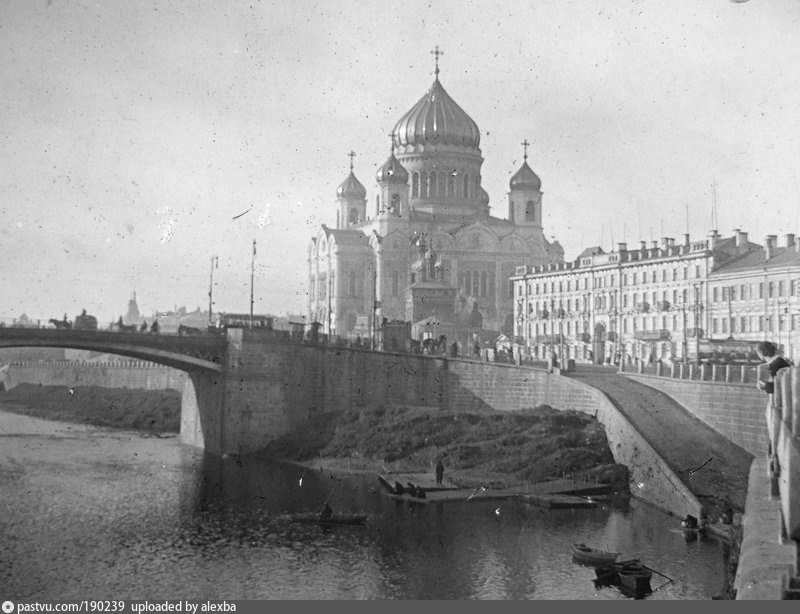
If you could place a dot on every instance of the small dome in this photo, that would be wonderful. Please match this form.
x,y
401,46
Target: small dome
x,y
392,172
351,188
525,179
437,119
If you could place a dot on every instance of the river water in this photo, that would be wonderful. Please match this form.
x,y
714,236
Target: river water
x,y
98,513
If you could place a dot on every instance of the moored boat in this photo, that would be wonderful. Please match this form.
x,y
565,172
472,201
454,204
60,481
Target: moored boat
x,y
634,579
586,555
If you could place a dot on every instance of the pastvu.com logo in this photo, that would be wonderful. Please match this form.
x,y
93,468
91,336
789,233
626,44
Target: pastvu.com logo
x,y
8,607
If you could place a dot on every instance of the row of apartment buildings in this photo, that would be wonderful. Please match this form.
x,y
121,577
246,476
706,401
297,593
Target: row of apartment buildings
x,y
660,301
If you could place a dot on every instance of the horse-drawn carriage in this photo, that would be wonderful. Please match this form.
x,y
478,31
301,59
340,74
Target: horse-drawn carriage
x,y
82,322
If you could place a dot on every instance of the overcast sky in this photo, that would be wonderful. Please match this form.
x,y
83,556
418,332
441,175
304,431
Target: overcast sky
x,y
141,138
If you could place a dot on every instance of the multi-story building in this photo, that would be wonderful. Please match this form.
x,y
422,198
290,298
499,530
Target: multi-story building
x,y
648,303
757,296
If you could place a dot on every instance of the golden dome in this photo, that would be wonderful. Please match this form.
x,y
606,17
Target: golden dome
x,y
437,119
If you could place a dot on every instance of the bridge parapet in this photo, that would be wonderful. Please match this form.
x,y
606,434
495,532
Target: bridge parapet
x,y
783,426
731,374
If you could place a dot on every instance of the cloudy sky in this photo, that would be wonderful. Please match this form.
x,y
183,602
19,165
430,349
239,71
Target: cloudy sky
x,y
138,139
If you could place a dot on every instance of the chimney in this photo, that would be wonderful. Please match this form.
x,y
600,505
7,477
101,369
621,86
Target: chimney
x,y
769,245
671,242
654,244
713,237
686,239
741,238
789,241
622,247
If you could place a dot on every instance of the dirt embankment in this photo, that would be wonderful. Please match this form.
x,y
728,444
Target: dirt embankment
x,y
505,448
157,411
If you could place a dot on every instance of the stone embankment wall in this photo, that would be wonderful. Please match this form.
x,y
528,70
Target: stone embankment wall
x,y
735,411
117,374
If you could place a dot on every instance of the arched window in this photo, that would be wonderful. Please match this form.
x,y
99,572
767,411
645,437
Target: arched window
x,y
467,282
432,185
423,186
476,284
415,185
442,184
353,218
395,282
451,185
466,186
484,279
530,211
352,283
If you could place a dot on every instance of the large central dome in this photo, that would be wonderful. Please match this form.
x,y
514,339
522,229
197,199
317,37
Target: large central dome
x,y
436,119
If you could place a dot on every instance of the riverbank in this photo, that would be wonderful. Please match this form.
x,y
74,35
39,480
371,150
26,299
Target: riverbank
x,y
154,411
493,449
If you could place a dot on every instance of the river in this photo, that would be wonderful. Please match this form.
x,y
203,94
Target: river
x,y
97,513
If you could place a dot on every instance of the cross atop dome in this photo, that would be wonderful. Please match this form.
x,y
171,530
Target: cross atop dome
x,y
436,53
525,146
351,155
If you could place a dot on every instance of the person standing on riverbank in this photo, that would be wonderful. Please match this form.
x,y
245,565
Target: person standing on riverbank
x,y
439,472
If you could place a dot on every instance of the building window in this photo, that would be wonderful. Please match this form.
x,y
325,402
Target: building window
x,y
467,282
781,288
432,185
466,186
530,211
743,292
483,283
395,282
451,185
761,290
415,185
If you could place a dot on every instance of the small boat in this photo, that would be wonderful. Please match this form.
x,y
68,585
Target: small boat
x,y
404,496
634,579
585,555
608,575
315,518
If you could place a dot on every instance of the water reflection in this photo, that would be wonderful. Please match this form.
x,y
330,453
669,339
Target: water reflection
x,y
114,515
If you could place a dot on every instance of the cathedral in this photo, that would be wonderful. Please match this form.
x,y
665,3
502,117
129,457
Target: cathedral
x,y
428,253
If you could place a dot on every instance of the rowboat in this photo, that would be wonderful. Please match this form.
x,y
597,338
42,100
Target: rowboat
x,y
405,496
634,579
585,555
336,519
608,575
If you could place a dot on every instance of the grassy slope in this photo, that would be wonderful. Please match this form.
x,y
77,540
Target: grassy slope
x,y
148,410
528,445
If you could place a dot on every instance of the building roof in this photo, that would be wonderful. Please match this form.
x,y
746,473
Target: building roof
x,y
756,260
437,119
351,188
525,179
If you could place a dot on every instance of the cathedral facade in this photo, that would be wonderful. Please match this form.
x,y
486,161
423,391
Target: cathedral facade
x,y
427,251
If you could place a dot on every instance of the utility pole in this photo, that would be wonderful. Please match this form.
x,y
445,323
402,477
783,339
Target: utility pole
x,y
214,264
252,277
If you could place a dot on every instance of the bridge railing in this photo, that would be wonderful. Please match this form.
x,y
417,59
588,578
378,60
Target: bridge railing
x,y
732,374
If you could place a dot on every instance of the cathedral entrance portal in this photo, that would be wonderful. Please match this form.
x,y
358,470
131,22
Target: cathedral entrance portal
x,y
599,344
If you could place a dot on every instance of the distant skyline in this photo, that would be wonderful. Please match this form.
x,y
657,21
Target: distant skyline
x,y
141,139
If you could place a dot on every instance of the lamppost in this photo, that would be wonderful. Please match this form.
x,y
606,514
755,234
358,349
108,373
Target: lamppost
x,y
252,277
214,265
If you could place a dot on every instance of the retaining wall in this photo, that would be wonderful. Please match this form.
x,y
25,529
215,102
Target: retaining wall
x,y
118,374
735,411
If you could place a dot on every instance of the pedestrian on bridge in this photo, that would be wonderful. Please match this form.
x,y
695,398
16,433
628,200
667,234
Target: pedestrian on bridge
x,y
768,352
